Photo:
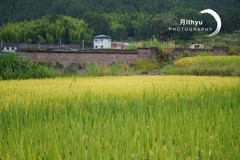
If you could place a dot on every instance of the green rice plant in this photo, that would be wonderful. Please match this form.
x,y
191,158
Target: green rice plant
x,y
201,70
147,117
209,60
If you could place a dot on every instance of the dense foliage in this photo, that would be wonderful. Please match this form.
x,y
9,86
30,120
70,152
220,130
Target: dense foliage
x,y
13,67
120,19
49,29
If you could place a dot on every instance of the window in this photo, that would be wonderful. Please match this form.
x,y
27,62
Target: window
x,y
101,40
197,46
96,40
96,46
101,46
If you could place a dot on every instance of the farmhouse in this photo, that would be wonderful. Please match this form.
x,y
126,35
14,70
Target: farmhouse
x,y
13,47
102,41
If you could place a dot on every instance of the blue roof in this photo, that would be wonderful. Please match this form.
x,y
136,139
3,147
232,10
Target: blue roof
x,y
102,36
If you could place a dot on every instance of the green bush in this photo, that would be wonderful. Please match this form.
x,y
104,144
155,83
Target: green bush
x,y
13,67
132,46
186,53
94,69
145,66
232,51
59,65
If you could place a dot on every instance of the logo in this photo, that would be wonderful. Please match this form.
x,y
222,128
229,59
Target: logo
x,y
196,25
216,17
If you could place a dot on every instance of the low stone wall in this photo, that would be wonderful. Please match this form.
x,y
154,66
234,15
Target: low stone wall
x,y
85,56
220,50
106,55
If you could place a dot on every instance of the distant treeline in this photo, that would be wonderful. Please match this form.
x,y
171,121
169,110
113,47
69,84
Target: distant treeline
x,y
47,30
119,19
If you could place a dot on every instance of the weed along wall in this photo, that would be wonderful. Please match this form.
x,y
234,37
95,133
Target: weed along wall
x,y
84,56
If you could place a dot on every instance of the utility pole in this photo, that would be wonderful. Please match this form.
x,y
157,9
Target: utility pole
x,y
83,44
60,41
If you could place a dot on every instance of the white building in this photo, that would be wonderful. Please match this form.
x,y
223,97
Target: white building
x,y
101,41
197,46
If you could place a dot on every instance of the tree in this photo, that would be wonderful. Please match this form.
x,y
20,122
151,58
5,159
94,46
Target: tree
x,y
142,30
160,25
48,29
97,22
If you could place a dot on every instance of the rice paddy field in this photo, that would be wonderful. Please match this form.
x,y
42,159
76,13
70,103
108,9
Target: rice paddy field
x,y
209,61
135,117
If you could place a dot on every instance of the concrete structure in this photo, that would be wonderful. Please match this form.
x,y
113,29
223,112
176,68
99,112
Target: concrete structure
x,y
197,46
119,45
9,47
101,41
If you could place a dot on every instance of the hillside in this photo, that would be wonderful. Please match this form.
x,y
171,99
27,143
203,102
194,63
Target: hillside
x,y
122,19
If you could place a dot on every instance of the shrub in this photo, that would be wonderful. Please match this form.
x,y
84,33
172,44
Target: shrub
x,y
132,46
186,53
145,66
92,69
144,44
13,67
59,65
232,51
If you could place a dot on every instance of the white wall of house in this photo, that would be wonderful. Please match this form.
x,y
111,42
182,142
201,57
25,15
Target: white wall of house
x,y
196,46
102,43
10,49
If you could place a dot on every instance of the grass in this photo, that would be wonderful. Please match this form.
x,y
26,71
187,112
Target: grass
x,y
153,117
